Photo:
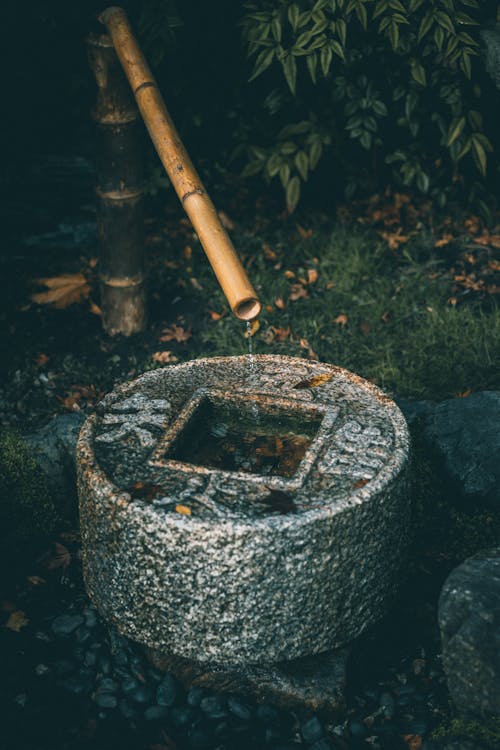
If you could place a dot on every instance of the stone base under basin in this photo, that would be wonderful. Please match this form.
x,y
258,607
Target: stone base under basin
x,y
307,685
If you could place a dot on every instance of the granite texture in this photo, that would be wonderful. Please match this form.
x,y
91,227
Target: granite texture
x,y
464,434
469,620
237,581
306,686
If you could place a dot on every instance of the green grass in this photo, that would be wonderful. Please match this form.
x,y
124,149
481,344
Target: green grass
x,y
401,331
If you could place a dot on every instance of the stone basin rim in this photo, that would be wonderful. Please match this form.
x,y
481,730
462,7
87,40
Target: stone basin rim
x,y
93,472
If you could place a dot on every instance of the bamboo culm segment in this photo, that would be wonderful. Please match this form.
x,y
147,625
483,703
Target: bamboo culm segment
x,y
218,247
120,219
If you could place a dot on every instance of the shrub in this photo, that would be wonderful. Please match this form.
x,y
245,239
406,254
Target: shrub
x,y
395,81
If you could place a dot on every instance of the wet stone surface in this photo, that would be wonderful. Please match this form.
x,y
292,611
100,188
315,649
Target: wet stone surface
x,y
249,564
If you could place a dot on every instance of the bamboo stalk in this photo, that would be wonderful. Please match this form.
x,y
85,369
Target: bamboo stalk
x,y
120,220
218,247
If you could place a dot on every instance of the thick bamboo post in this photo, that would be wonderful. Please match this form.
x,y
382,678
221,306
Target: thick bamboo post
x,y
188,186
120,220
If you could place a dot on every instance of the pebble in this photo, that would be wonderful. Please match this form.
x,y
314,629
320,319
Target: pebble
x,y
237,708
195,696
66,624
90,617
141,694
181,715
267,714
198,739
82,634
321,744
166,692
311,730
214,706
155,713
127,710
388,705
106,700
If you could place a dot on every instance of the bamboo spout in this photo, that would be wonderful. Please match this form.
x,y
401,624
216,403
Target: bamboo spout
x,y
218,247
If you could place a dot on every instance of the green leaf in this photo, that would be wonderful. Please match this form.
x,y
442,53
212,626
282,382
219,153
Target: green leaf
x,y
273,164
293,16
394,35
312,64
284,175
366,140
439,37
263,61
423,182
302,164
276,29
288,148
315,154
465,64
425,25
475,119
326,59
444,20
342,31
479,154
418,73
379,108
252,168
455,130
337,49
304,39
290,71
292,194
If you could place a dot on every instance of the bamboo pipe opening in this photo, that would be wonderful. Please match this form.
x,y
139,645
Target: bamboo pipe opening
x,y
213,237
248,309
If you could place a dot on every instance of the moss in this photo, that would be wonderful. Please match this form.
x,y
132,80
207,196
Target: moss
x,y
486,731
26,508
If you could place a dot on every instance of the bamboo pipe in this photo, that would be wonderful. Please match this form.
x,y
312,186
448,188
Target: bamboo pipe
x,y
218,247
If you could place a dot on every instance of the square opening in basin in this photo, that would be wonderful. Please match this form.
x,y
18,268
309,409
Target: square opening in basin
x,y
255,436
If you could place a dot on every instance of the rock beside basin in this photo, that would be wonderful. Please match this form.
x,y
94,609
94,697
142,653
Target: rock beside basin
x,y
233,567
469,620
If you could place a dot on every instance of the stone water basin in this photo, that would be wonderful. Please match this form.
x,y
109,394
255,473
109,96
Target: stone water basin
x,y
237,515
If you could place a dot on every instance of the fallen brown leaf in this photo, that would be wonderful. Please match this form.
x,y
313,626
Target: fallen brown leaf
x,y
187,252
288,275
164,358
491,240
215,315
280,303
63,290
360,483
183,510
41,360
269,253
17,620
58,557
494,265
304,233
280,501
315,381
312,276
414,741
364,327
176,333
341,320
297,291
146,491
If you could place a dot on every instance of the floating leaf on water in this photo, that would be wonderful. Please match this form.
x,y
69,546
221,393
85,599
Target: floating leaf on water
x,y
280,501
145,491
315,381
361,483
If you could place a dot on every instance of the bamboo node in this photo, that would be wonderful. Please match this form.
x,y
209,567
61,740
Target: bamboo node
x,y
144,85
197,191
